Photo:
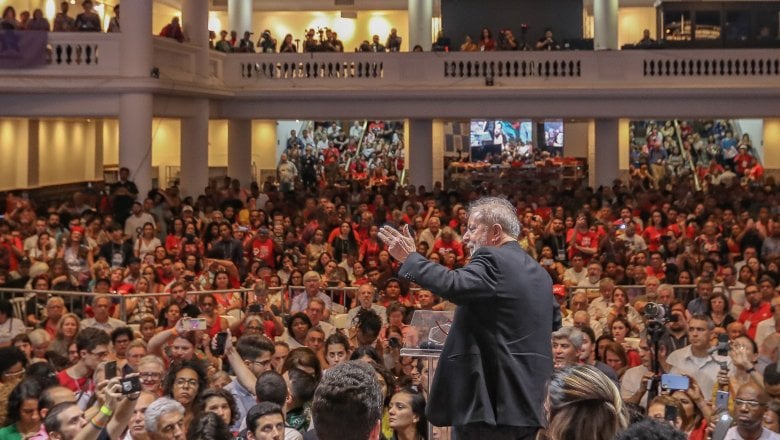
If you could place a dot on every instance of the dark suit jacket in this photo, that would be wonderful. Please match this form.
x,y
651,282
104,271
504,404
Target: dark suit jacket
x,y
497,359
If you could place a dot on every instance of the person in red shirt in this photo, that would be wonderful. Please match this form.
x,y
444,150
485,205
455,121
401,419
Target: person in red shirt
x,y
92,345
582,240
447,242
742,161
263,248
758,310
657,229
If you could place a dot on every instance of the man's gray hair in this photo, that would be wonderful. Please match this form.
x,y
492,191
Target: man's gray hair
x,y
495,210
573,334
157,409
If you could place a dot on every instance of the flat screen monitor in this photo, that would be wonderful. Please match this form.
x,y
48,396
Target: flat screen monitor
x,y
498,136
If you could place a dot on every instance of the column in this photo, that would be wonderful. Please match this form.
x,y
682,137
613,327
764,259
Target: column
x,y
135,109
240,150
135,138
137,52
420,152
606,164
605,24
195,24
195,149
240,16
420,15
99,149
33,152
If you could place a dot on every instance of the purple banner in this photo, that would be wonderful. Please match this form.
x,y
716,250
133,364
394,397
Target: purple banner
x,y
22,49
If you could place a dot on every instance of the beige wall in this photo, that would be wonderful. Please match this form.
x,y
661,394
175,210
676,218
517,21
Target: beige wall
x,y
111,142
218,141
13,151
772,143
66,151
633,21
166,147
576,138
263,148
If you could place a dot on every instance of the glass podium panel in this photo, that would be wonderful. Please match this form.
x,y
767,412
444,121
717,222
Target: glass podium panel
x,y
430,330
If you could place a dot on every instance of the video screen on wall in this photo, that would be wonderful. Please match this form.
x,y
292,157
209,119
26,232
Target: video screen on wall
x,y
553,137
497,136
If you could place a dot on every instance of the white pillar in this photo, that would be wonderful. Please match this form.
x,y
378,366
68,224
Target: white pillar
x,y
421,152
135,138
240,16
137,53
135,109
195,148
195,24
420,16
606,166
605,24
240,150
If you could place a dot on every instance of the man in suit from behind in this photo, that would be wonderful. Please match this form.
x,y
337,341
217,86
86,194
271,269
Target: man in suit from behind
x,y
492,374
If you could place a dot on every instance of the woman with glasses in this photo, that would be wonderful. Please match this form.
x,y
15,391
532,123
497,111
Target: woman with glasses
x,y
150,371
185,382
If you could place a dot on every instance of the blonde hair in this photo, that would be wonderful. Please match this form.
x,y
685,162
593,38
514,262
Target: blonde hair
x,y
584,405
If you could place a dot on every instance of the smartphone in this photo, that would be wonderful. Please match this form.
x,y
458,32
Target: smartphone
x,y
722,400
255,309
110,369
195,324
674,382
670,413
723,345
219,347
131,385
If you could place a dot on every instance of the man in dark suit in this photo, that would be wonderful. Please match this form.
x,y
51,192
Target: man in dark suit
x,y
493,371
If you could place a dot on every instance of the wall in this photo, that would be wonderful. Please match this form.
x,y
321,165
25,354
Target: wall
x,y
66,151
13,151
264,148
575,138
162,15
460,17
111,142
166,148
633,21
772,143
218,143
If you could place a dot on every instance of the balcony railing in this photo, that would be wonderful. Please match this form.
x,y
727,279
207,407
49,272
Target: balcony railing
x,y
87,55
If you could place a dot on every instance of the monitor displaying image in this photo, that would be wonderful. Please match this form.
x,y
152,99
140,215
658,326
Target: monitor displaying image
x,y
553,137
497,136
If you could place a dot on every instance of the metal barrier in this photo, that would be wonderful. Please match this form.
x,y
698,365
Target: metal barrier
x,y
73,299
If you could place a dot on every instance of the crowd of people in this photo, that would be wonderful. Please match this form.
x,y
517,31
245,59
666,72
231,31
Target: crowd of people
x,y
663,151
247,294
86,21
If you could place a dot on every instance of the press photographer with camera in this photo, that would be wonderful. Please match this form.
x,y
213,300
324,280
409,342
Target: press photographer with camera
x,y
266,43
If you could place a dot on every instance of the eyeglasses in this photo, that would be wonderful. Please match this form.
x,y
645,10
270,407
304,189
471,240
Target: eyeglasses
x,y
150,375
752,404
191,383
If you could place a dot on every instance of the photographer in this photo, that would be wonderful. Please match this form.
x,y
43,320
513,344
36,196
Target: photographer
x,y
245,44
393,43
507,40
547,42
267,43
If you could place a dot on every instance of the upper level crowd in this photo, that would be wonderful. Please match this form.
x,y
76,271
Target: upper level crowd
x,y
302,282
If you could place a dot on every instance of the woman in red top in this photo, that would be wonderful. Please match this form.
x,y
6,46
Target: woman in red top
x,y
657,229
215,323
173,240
582,240
370,247
226,301
486,41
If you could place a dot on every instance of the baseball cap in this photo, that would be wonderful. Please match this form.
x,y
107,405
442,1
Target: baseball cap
x,y
559,290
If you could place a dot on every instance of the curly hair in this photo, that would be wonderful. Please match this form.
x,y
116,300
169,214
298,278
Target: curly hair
x,y
224,394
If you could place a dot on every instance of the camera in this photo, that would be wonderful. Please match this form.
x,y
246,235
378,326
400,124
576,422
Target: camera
x,y
189,237
658,312
255,309
130,385
394,343
189,278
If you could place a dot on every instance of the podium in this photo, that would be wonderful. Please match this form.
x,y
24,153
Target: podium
x,y
430,330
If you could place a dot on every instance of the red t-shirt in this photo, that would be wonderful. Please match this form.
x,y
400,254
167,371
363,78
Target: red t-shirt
x,y
264,250
78,386
751,318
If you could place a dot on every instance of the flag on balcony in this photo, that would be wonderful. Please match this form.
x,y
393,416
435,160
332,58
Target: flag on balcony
x,y
22,49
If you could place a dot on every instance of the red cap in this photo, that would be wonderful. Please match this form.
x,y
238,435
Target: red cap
x,y
77,229
559,290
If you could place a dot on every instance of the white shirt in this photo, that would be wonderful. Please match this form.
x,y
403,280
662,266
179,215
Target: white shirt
x,y
703,370
764,329
108,326
599,308
766,434
631,381
573,276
